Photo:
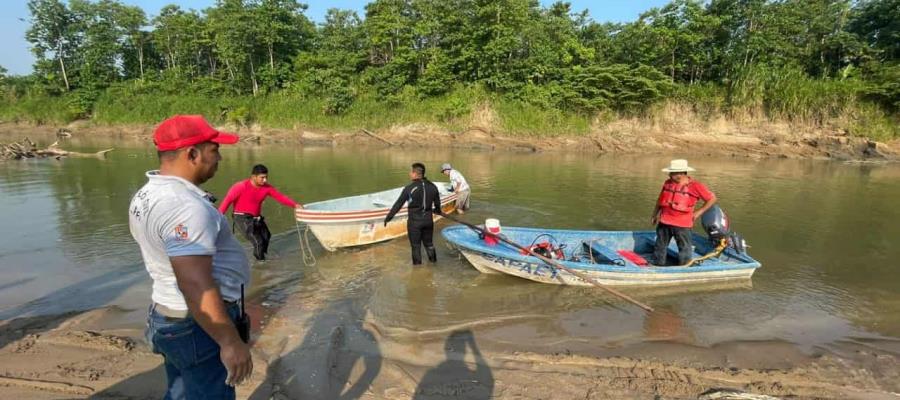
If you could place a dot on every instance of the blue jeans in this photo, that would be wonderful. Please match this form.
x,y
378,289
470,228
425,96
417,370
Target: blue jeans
x,y
193,367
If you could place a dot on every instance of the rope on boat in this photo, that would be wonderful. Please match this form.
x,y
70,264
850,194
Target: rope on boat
x,y
306,253
723,243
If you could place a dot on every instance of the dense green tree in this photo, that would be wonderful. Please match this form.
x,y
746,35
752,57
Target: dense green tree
x,y
877,23
338,53
132,20
283,30
53,34
549,56
100,48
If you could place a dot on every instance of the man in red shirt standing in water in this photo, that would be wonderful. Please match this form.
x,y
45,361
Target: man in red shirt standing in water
x,y
248,196
674,214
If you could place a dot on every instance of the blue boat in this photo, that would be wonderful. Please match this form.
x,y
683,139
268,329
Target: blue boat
x,y
615,258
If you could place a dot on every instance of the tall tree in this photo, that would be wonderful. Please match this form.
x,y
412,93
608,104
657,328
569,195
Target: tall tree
x,y
100,50
878,23
180,36
236,39
132,20
499,40
283,26
53,30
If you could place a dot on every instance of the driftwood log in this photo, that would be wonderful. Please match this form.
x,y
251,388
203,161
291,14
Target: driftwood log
x,y
28,149
368,132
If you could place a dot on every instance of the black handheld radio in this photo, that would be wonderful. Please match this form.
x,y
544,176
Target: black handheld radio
x,y
243,322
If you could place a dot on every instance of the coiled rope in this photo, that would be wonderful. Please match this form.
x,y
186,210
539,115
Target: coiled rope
x,y
723,243
306,253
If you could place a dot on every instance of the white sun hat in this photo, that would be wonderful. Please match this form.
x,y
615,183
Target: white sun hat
x,y
678,166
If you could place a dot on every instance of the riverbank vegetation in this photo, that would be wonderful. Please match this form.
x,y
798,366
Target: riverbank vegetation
x,y
518,66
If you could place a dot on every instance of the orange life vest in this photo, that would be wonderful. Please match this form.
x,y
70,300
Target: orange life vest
x,y
677,198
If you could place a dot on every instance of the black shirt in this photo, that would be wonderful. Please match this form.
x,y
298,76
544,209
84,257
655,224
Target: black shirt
x,y
423,198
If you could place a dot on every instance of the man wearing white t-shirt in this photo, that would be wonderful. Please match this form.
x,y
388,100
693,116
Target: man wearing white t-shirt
x,y
460,186
197,266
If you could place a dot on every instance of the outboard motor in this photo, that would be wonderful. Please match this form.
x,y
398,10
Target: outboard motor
x,y
717,226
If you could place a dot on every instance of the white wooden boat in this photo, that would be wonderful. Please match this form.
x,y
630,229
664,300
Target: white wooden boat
x,y
359,220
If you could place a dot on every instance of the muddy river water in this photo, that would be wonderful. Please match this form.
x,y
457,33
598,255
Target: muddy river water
x,y
825,232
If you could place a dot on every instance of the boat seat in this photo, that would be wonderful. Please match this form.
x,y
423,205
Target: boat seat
x,y
634,257
602,254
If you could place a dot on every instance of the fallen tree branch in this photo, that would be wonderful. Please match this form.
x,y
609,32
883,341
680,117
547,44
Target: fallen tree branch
x,y
28,149
367,132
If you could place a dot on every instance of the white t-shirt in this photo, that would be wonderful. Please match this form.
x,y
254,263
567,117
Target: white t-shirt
x,y
171,217
457,178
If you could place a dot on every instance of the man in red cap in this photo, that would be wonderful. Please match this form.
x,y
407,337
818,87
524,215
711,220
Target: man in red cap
x,y
197,266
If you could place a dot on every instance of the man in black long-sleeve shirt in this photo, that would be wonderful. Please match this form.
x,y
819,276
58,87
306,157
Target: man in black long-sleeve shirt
x,y
423,199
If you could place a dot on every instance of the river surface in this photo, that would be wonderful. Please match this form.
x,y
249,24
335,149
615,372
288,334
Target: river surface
x,y
825,232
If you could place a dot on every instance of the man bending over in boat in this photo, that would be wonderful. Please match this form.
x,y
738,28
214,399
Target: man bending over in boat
x,y
459,186
674,214
248,196
423,199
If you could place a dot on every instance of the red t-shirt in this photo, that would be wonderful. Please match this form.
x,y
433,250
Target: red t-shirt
x,y
248,198
681,219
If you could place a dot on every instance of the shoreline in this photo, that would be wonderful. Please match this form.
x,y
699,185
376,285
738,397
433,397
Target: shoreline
x,y
337,349
717,138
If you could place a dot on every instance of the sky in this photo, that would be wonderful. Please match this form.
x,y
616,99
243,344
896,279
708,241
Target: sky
x,y
16,57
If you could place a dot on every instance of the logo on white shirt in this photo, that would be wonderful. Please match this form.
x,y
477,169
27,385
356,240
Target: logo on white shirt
x,y
181,232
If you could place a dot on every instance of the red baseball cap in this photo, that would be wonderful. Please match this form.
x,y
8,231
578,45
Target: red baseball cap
x,y
187,130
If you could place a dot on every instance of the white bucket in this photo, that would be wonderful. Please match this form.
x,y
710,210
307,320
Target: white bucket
x,y
491,225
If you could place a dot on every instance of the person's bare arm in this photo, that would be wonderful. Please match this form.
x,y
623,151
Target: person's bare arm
x,y
194,276
654,218
706,206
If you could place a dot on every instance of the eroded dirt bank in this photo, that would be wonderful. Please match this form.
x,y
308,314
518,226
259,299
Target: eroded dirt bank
x,y
668,135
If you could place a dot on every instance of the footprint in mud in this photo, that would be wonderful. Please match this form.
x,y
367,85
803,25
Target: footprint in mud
x,y
93,340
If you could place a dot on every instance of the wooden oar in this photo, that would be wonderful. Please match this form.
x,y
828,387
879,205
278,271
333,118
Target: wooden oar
x,y
554,264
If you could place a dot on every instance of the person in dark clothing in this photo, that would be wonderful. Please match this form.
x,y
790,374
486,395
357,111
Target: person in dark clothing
x,y
424,200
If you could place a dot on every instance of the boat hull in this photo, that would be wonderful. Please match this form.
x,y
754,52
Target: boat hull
x,y
333,236
336,229
541,272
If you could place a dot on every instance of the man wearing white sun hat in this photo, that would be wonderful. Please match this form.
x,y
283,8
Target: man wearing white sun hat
x,y
460,186
674,213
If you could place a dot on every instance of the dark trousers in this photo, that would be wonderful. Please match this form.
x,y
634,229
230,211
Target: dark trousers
x,y
256,231
420,231
664,234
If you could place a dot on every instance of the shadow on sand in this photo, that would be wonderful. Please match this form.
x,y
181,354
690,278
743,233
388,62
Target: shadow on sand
x,y
453,379
339,358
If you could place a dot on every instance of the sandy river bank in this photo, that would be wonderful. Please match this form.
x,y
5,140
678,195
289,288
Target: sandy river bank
x,y
334,352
